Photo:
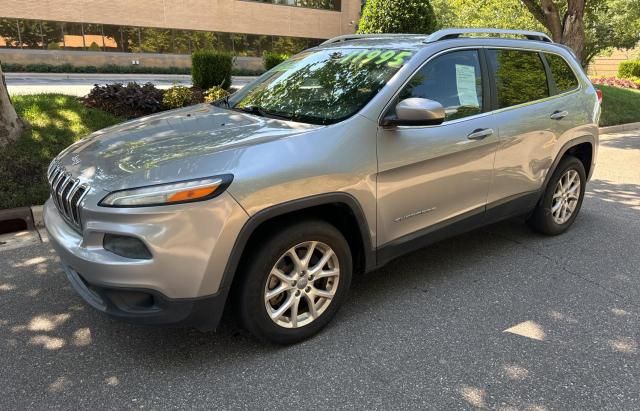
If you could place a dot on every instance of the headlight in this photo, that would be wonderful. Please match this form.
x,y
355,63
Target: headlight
x,y
166,194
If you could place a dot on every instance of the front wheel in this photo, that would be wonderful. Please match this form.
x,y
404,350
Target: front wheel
x,y
562,198
295,282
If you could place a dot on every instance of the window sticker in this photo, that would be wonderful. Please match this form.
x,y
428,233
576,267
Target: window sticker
x,y
466,83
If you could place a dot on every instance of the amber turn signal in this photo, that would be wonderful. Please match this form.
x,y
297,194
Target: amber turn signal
x,y
194,194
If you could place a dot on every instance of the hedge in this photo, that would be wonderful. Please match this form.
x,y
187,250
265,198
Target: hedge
x,y
271,59
211,68
629,69
110,68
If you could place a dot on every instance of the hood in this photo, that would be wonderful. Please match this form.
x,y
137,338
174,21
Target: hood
x,y
192,142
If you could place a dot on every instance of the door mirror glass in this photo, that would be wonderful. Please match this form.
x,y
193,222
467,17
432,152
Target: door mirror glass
x,y
416,112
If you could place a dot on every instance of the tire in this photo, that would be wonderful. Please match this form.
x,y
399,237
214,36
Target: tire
x,y
543,219
255,311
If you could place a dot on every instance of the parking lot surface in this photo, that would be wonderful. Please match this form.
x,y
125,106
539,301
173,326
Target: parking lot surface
x,y
499,318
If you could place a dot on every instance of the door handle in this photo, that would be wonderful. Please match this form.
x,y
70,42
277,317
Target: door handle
x,y
559,115
480,133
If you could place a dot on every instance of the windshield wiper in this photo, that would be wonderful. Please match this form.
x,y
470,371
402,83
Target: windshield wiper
x,y
262,112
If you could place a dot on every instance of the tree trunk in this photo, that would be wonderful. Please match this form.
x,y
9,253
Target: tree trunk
x,y
568,30
573,27
11,126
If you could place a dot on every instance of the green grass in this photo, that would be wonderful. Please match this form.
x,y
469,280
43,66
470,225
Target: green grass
x,y
57,121
619,106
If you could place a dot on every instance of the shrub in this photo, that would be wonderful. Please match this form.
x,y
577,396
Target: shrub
x,y
38,68
94,46
62,68
271,59
628,69
13,68
108,68
176,97
54,45
211,68
246,72
397,16
215,93
632,83
132,100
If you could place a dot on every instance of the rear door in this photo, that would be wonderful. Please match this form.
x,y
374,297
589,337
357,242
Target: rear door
x,y
527,131
430,176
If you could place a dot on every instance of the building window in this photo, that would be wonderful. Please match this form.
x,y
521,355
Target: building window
x,y
49,35
335,5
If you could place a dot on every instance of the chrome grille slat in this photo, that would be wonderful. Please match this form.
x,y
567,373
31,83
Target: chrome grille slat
x,y
67,194
77,204
54,185
67,198
60,188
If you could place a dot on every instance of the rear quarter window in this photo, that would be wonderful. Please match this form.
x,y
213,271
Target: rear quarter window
x,y
520,76
562,73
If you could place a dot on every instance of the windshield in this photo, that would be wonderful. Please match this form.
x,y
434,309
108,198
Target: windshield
x,y
322,86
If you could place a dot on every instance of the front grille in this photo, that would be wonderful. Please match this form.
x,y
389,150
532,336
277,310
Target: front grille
x,y
67,193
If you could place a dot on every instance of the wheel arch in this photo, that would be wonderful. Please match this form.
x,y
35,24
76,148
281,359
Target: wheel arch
x,y
340,209
583,148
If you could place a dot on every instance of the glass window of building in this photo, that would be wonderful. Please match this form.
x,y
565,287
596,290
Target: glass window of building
x,y
10,33
335,5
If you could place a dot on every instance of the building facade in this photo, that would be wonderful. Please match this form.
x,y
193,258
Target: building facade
x,y
243,27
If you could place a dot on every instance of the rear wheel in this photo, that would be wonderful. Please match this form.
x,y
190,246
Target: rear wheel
x,y
295,282
562,199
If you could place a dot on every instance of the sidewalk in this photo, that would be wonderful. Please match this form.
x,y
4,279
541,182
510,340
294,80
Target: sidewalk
x,y
79,84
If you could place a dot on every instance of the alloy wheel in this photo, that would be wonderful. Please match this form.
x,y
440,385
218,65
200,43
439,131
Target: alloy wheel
x,y
566,197
302,284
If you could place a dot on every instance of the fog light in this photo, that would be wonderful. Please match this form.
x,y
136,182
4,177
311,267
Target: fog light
x,y
124,246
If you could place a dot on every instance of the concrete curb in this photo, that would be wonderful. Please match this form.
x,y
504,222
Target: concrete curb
x,y
619,128
36,213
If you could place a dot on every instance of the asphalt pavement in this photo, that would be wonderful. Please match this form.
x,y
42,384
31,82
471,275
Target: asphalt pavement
x,y
499,318
79,84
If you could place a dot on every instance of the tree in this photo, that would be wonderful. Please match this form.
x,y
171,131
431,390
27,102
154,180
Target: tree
x,y
565,22
397,16
11,126
605,24
503,14
611,24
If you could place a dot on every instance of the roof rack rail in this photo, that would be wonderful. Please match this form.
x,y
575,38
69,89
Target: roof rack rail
x,y
348,37
447,34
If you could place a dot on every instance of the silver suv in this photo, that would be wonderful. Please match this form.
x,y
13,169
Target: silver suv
x,y
335,162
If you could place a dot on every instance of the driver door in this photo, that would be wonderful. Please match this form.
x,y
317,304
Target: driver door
x,y
433,176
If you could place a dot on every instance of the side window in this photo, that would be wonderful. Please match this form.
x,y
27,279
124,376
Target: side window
x,y
563,75
453,80
520,76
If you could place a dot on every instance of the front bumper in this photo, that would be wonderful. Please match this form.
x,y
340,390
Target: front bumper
x,y
149,307
189,244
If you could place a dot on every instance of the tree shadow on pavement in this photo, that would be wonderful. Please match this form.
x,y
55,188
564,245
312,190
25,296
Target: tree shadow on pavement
x,y
622,194
432,320
625,142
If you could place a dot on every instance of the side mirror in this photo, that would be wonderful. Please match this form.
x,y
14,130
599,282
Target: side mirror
x,y
416,112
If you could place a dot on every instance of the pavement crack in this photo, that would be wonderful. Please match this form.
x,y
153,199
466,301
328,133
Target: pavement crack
x,y
563,267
